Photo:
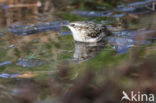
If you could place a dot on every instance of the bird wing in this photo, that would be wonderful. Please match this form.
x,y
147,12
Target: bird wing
x,y
93,30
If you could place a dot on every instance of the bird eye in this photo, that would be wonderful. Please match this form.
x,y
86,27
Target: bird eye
x,y
72,25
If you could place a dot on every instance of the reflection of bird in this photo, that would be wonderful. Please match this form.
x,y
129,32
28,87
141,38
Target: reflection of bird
x,y
125,96
88,31
85,51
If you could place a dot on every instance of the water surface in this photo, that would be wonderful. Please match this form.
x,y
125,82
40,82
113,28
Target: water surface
x,y
36,47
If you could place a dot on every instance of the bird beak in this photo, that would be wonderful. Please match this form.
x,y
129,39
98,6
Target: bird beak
x,y
67,25
71,25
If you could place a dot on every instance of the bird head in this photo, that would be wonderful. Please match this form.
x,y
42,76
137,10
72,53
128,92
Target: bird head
x,y
78,30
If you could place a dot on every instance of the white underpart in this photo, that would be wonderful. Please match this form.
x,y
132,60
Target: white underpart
x,y
77,35
80,35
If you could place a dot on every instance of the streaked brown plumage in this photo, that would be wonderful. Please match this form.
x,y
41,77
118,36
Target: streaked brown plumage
x,y
88,31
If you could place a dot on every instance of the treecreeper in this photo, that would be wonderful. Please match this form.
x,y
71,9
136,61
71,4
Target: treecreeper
x,y
87,31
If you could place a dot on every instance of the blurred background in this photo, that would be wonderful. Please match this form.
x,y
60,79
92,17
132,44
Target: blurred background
x,y
41,63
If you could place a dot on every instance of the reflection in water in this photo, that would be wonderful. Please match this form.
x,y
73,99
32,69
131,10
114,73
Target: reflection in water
x,y
145,6
123,40
5,75
26,19
16,10
1,34
37,28
5,63
85,51
31,62
17,75
92,13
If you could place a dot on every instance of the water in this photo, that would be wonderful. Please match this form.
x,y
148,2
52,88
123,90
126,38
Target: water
x,y
36,28
1,34
38,55
31,62
92,13
5,75
5,63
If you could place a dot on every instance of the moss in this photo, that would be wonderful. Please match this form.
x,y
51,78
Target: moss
x,y
2,52
71,17
30,56
16,52
75,17
105,4
64,56
48,45
91,4
2,68
106,58
111,20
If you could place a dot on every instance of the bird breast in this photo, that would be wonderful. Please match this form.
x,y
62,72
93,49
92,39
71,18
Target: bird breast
x,y
78,35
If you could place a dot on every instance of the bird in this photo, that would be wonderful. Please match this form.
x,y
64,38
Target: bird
x,y
88,31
